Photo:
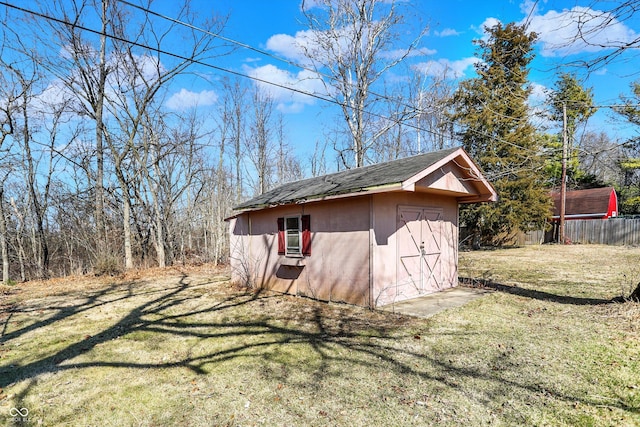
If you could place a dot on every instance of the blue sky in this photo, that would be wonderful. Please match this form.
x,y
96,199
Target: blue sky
x,y
453,25
275,26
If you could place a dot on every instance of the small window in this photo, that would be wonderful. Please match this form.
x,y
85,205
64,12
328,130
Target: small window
x,y
292,233
294,236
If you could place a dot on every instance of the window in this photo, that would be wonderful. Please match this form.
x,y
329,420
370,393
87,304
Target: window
x,y
292,233
294,236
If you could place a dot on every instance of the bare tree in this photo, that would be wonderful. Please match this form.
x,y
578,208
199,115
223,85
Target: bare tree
x,y
287,165
424,103
592,23
83,70
432,99
220,193
129,172
260,145
9,96
600,157
236,108
351,45
137,81
4,233
37,199
318,160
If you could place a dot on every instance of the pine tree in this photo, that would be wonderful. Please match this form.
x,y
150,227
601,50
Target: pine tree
x,y
629,189
571,100
492,118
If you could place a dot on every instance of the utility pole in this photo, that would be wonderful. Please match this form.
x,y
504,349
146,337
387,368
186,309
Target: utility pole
x,y
563,184
418,120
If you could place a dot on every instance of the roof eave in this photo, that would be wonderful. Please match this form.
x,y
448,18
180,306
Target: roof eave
x,y
584,215
490,195
384,188
482,198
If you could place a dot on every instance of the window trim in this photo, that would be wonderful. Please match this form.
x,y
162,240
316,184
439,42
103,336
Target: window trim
x,y
304,236
287,252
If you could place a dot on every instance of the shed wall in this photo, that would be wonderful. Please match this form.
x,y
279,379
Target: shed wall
x,y
336,270
344,234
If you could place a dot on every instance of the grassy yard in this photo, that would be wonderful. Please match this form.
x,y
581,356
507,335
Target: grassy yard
x,y
551,346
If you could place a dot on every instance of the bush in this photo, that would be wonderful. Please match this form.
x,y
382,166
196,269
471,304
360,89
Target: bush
x,y
108,266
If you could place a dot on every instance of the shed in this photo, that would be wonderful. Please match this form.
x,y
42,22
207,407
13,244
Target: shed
x,y
593,203
368,236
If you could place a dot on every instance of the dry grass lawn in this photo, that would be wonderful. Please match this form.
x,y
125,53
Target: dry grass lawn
x,y
551,346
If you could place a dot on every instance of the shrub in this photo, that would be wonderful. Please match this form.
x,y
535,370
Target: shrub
x,y
108,265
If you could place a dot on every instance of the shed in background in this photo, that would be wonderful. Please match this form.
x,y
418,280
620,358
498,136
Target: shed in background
x,y
593,203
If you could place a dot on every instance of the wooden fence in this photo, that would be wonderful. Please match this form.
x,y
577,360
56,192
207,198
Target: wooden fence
x,y
616,231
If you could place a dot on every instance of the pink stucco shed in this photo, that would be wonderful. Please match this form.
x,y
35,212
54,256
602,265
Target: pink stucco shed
x,y
370,236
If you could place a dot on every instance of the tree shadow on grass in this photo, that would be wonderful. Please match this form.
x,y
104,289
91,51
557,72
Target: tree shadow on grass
x,y
334,335
532,293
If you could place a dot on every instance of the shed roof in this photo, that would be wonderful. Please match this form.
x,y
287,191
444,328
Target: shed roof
x,y
589,202
395,175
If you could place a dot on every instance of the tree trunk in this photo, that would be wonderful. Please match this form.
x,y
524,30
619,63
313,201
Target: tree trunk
x,y
19,239
40,238
160,252
126,218
99,108
3,240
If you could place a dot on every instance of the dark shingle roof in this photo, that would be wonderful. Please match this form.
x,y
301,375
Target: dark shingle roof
x,y
349,181
594,201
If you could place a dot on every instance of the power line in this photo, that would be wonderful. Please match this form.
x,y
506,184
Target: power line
x,y
315,71
216,67
257,79
216,35
254,49
164,52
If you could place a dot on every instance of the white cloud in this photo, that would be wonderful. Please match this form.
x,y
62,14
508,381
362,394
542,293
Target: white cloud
x,y
488,23
52,97
288,100
447,32
122,77
309,43
291,47
558,31
311,4
445,67
55,93
530,7
538,93
538,102
398,53
186,99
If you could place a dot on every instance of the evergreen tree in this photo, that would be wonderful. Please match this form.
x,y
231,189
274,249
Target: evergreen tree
x,y
630,191
630,187
492,118
571,98
578,101
631,112
576,176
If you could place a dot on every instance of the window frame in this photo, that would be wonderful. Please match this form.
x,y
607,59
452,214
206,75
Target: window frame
x,y
304,236
287,251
